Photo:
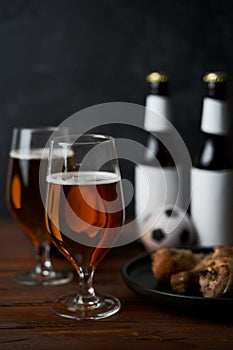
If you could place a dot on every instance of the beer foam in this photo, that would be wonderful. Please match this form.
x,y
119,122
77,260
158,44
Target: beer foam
x,y
83,178
38,153
29,154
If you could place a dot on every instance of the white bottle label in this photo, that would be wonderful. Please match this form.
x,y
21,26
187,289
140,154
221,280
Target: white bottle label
x,y
157,113
155,187
212,206
215,118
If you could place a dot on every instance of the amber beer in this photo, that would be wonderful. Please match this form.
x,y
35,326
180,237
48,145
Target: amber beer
x,y
23,193
84,214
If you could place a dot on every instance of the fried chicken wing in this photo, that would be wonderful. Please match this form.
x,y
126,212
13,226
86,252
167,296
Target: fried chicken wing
x,y
167,261
210,274
217,279
185,282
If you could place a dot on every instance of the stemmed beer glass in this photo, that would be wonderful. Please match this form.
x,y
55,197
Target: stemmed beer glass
x,y
85,214
25,203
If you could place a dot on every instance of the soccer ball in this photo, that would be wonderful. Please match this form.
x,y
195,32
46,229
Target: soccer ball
x,y
173,228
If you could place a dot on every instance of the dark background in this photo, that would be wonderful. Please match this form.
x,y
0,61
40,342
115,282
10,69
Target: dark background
x,y
60,56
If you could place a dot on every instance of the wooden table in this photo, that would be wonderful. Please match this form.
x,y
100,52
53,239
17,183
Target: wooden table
x,y
27,322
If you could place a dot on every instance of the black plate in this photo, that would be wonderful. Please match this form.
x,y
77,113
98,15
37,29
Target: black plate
x,y
138,276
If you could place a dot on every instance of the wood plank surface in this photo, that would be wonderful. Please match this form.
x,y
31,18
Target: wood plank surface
x,y
27,321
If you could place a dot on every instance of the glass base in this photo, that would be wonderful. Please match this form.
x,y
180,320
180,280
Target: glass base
x,y
68,307
51,278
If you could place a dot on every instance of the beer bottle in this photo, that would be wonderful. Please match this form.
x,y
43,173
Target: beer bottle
x,y
212,173
156,170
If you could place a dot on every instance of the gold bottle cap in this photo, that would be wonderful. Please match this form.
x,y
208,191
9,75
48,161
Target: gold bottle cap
x,y
215,77
157,77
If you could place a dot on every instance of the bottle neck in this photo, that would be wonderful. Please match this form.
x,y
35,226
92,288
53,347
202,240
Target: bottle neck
x,y
215,118
157,113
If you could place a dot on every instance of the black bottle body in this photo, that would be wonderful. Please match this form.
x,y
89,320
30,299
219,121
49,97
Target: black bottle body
x,y
156,178
212,172
215,153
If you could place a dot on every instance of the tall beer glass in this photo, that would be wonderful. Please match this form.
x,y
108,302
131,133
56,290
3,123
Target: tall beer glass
x,y
84,213
25,203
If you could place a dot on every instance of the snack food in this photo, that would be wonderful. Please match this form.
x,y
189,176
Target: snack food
x,y
210,274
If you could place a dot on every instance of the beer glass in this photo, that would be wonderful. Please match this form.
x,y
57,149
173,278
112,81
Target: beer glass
x,y
84,214
25,203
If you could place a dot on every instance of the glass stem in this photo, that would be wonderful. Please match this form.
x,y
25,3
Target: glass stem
x,y
86,296
43,263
